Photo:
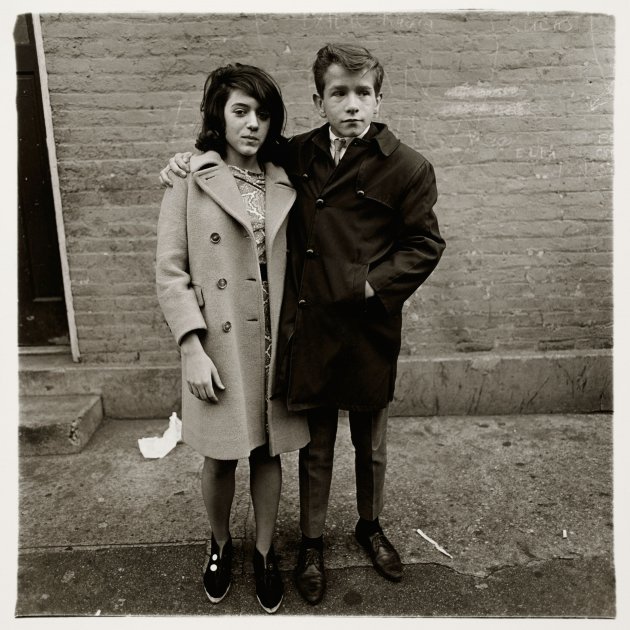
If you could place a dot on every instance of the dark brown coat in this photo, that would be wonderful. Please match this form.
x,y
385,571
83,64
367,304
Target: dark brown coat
x,y
370,218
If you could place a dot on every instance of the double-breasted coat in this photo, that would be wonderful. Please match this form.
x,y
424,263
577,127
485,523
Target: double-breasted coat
x,y
370,218
209,280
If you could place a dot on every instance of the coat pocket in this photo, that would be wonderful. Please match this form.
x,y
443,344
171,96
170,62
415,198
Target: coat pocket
x,y
198,294
339,281
360,278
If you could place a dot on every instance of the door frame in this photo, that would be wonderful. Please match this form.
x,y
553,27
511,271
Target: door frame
x,y
54,180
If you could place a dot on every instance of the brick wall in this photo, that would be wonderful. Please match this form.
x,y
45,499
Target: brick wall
x,y
514,111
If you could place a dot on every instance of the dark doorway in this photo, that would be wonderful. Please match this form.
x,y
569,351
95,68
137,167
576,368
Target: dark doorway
x,y
42,319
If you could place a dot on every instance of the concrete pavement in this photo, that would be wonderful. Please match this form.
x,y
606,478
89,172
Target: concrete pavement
x,y
106,531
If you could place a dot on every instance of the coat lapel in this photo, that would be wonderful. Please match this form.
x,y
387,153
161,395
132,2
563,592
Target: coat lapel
x,y
215,179
280,196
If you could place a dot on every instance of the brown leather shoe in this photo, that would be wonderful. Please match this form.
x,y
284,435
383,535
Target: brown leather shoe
x,y
309,575
383,555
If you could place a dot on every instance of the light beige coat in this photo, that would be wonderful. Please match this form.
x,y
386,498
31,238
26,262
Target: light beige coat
x,y
205,242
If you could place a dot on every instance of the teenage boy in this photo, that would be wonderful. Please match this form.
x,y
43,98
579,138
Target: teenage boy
x,y
362,237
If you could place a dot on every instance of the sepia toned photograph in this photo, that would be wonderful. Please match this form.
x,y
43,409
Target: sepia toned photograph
x,y
315,313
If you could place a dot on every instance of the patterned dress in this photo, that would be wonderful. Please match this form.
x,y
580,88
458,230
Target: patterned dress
x,y
252,188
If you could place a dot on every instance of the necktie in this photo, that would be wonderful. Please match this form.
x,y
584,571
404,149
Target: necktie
x,y
339,143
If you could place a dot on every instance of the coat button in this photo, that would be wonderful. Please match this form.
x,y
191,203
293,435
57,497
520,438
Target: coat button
x,y
319,203
302,303
360,193
222,283
305,176
215,237
310,253
227,327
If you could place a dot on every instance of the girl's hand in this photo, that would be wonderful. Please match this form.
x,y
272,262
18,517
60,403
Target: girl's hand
x,y
178,164
200,372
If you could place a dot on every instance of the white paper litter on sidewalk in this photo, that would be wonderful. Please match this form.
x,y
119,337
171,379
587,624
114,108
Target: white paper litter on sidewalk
x,y
157,447
440,549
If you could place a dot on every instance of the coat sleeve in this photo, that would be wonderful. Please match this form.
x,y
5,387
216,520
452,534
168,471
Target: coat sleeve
x,y
175,292
418,248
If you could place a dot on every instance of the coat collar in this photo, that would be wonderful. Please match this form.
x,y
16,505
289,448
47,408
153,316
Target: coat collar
x,y
378,133
214,177
280,196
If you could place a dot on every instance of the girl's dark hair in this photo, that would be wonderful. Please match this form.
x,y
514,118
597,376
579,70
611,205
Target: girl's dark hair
x,y
255,83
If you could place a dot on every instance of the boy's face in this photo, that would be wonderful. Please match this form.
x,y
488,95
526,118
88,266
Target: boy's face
x,y
349,101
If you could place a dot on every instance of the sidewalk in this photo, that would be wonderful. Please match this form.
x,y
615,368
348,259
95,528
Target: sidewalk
x,y
106,531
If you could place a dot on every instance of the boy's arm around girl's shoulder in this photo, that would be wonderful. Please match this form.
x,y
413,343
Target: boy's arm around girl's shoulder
x,y
417,251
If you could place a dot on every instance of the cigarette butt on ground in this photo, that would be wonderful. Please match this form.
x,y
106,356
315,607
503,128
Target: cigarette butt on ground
x,y
438,547
564,533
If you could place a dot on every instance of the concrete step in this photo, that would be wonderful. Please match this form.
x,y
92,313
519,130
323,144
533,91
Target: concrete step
x,y
127,391
44,374
58,424
471,384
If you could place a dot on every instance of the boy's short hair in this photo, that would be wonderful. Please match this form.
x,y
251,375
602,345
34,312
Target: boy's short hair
x,y
349,56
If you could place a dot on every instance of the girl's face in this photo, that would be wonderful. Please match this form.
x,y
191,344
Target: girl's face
x,y
246,128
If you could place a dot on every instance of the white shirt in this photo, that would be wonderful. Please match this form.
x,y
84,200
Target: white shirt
x,y
333,137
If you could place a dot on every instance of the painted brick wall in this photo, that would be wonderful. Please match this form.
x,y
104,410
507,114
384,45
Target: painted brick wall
x,y
514,111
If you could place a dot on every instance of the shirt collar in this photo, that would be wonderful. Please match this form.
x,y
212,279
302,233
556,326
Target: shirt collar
x,y
333,137
385,140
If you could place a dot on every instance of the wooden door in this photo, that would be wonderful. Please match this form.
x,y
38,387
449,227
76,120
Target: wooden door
x,y
42,318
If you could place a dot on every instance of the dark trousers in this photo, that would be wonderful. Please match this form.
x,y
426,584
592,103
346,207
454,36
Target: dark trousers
x,y
368,431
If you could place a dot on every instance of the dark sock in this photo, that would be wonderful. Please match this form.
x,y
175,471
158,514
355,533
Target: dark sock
x,y
317,543
367,528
